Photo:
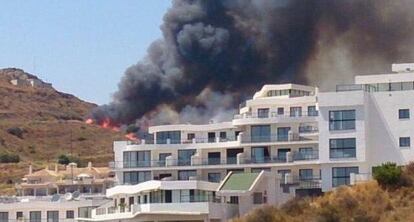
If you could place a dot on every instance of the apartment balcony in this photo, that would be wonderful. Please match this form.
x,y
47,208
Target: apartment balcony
x,y
182,208
275,139
251,118
196,162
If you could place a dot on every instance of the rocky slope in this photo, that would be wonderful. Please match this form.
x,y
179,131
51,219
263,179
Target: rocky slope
x,y
38,123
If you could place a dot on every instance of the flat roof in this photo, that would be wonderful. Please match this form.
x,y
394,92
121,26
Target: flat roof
x,y
239,182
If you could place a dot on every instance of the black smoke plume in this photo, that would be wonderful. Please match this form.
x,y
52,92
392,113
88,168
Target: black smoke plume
x,y
215,53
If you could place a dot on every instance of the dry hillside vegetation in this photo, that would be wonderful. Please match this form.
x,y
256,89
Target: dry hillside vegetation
x,y
39,123
367,202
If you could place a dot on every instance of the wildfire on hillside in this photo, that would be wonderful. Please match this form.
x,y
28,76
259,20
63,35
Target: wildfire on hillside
x,y
132,136
106,124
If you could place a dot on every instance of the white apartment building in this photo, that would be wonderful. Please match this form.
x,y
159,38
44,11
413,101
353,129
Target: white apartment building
x,y
304,141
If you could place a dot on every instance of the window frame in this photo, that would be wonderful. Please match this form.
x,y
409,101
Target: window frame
x,y
405,145
346,176
341,120
401,113
344,147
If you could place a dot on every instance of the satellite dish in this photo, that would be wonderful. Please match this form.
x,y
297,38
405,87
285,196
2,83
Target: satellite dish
x,y
55,198
68,196
76,195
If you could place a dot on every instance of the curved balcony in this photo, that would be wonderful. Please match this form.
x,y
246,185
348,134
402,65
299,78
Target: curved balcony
x,y
251,118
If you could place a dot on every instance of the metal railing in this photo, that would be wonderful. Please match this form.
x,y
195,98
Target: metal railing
x,y
265,115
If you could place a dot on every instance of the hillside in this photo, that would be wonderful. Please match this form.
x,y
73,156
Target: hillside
x,y
39,123
366,202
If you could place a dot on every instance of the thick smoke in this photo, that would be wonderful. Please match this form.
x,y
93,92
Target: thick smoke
x,y
215,53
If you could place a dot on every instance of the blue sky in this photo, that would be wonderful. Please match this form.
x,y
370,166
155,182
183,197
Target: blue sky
x,y
81,47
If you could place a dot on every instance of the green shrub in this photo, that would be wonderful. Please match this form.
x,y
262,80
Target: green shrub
x,y
388,175
65,160
9,158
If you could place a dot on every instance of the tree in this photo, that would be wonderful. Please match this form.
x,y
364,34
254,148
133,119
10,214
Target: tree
x,y
388,174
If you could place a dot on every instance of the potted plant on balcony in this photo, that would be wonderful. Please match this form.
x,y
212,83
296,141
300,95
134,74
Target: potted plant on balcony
x,y
122,207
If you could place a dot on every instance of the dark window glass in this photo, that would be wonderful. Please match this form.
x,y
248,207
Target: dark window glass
x,y
312,111
186,174
19,215
259,154
404,114
53,216
305,174
4,216
184,157
174,136
341,175
190,136
162,157
283,133
257,198
263,113
342,148
281,153
214,177
280,111
136,177
70,214
211,137
405,142
35,216
295,111
137,159
260,133
342,120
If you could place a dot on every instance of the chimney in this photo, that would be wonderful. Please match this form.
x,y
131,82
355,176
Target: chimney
x,y
30,169
89,165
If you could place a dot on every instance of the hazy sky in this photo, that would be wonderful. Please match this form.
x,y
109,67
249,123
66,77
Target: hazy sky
x,y
81,47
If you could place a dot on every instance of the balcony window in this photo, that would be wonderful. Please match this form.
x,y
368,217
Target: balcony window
x,y
173,136
214,177
260,133
137,159
214,158
342,120
341,175
280,111
295,111
305,153
135,177
186,174
281,154
52,216
184,157
35,216
405,142
312,111
232,155
259,154
283,133
342,148
19,216
263,113
4,216
162,158
305,174
190,136
223,136
211,137
403,113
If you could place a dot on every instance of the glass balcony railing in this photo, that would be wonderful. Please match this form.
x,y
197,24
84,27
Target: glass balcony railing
x,y
272,138
294,156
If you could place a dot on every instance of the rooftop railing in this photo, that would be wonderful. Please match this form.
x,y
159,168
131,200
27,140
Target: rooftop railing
x,y
266,115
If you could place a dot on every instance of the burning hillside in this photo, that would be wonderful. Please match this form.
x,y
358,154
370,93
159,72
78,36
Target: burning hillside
x,y
214,53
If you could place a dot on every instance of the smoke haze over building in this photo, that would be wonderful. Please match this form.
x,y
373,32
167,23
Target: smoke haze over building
x,y
215,53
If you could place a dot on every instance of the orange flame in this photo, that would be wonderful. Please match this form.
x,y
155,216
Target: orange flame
x,y
89,121
107,124
131,136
